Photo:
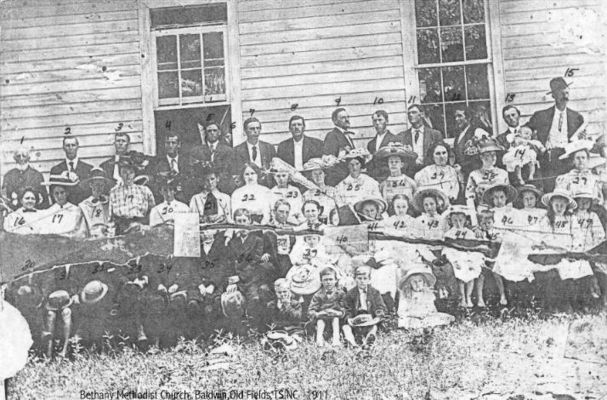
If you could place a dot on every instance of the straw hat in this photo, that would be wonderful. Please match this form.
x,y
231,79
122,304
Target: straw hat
x,y
397,150
558,84
360,154
305,279
93,292
530,188
60,180
380,203
232,304
58,300
279,341
363,320
418,198
97,174
487,145
422,270
574,147
511,193
594,162
585,194
459,209
313,164
547,198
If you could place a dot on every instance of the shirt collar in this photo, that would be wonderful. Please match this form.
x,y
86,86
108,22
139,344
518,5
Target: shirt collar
x,y
75,161
176,158
22,168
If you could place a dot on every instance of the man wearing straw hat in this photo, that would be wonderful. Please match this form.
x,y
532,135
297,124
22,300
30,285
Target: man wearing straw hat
x,y
555,127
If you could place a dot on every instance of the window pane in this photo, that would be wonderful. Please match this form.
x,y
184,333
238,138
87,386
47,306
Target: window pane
x,y
187,16
451,44
453,81
430,86
435,116
478,85
191,83
450,117
166,52
476,43
474,11
481,115
427,46
449,12
213,45
189,51
214,80
425,13
167,85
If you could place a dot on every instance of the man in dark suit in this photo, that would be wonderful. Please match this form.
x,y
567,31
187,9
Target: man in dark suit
x,y
382,138
338,141
111,166
297,150
554,127
253,150
419,138
512,116
172,163
213,152
74,169
464,145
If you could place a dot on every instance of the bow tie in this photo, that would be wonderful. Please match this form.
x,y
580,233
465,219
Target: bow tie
x,y
101,199
24,210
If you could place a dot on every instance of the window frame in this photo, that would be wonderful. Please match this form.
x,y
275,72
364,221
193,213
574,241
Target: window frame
x,y
149,84
494,61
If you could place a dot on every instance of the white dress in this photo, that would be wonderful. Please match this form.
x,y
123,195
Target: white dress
x,y
15,341
433,228
444,179
352,190
65,221
580,181
255,198
467,265
96,215
518,156
481,179
394,185
165,212
23,222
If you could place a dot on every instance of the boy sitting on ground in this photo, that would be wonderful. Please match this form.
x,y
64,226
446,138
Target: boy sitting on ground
x,y
363,300
326,306
285,312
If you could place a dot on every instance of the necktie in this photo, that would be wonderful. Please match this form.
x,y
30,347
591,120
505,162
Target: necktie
x,y
71,163
174,167
416,135
348,136
213,148
560,122
254,153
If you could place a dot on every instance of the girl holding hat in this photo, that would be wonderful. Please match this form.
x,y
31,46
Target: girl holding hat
x,y
487,175
467,265
370,210
253,196
96,208
63,218
356,186
431,203
24,220
325,194
289,193
529,197
440,175
397,182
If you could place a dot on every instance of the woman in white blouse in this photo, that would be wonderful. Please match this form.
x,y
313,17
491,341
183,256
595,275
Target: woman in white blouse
x,y
23,220
255,198
440,175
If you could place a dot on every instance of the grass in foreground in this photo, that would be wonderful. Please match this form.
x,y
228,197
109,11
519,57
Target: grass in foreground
x,y
482,359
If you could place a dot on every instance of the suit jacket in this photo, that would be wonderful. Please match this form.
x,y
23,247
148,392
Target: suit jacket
x,y
388,138
160,165
108,167
76,193
467,162
311,148
246,257
541,121
375,303
431,137
223,156
241,155
335,141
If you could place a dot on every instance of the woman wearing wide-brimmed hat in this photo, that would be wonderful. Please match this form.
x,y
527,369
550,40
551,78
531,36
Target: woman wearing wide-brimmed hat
x,y
314,170
96,208
487,175
356,185
529,204
581,177
440,175
62,218
397,158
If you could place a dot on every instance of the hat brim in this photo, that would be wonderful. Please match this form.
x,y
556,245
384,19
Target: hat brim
x,y
489,148
511,193
104,290
549,196
380,203
530,188
226,309
566,86
60,297
428,276
420,194
405,155
105,180
373,321
574,147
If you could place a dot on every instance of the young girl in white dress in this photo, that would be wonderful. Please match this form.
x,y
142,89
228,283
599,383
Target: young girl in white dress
x,y
325,194
253,196
397,183
530,214
467,265
523,152
431,203
357,185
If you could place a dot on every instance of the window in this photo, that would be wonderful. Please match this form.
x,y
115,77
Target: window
x,y
453,63
190,54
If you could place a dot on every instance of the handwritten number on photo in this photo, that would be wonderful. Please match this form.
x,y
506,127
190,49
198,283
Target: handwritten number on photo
x,y
378,100
570,72
338,101
510,97
67,131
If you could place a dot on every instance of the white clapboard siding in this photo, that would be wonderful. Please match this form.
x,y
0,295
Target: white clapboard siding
x,y
68,63
540,40
307,54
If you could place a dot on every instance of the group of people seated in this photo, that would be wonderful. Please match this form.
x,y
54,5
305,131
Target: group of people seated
x,y
543,181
